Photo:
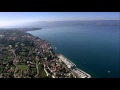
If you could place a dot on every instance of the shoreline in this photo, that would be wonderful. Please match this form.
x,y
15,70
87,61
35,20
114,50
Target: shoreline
x,y
61,59
79,73
70,64
75,70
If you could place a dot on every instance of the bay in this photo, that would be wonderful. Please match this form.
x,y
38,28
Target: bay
x,y
94,49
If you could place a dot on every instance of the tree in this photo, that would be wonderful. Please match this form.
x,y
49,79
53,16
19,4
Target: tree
x,y
71,76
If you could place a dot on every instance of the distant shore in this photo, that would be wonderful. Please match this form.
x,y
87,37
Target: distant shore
x,y
21,29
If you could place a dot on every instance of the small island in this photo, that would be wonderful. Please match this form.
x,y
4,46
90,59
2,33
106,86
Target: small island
x,y
23,55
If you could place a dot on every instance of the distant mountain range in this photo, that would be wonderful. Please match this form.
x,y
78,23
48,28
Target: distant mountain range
x,y
42,24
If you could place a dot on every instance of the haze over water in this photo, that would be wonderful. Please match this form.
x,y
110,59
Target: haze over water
x,y
93,48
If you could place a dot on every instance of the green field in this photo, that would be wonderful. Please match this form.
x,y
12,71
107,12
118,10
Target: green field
x,y
22,67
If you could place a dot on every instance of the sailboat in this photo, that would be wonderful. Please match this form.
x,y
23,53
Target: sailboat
x,y
55,48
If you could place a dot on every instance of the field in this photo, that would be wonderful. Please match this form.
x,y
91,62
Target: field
x,y
22,67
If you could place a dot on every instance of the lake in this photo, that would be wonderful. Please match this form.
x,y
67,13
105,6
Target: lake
x,y
94,49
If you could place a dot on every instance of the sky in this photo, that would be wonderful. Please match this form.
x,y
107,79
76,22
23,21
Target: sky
x,y
16,18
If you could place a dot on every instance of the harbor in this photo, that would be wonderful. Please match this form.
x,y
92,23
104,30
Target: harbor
x,y
76,71
80,73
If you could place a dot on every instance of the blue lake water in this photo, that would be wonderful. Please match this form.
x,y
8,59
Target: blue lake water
x,y
94,49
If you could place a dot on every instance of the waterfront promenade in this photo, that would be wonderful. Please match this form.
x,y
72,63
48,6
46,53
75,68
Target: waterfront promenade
x,y
66,61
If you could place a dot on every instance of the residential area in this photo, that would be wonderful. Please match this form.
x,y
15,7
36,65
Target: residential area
x,y
25,56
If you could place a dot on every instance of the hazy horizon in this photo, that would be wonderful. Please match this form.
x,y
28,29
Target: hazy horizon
x,y
41,24
18,18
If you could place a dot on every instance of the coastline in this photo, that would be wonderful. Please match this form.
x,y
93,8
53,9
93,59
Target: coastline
x,y
80,73
44,47
81,47
75,70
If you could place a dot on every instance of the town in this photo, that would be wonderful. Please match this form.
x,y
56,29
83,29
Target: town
x,y
25,56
